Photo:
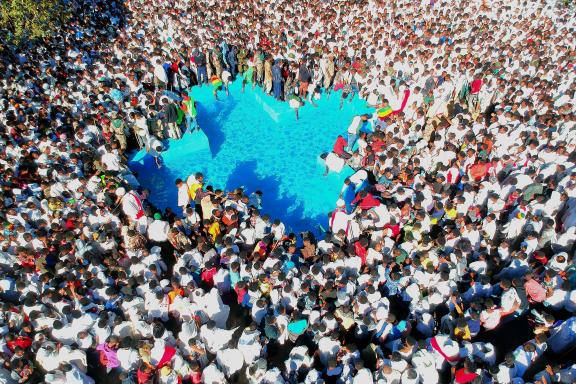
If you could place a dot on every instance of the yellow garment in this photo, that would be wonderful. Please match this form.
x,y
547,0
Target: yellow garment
x,y
459,308
55,204
214,230
451,213
426,262
172,295
265,288
193,189
463,333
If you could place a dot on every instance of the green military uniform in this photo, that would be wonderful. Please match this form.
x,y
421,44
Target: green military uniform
x,y
242,61
117,127
217,61
259,67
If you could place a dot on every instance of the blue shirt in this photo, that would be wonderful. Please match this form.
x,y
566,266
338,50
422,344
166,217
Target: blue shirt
x,y
397,330
392,285
276,74
234,278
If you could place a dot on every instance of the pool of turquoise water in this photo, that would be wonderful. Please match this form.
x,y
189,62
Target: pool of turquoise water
x,y
256,142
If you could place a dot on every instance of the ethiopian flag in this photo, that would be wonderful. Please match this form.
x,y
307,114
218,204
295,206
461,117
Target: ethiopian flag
x,y
216,82
384,112
188,105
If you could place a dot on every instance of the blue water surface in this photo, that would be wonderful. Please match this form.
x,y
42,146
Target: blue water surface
x,y
257,143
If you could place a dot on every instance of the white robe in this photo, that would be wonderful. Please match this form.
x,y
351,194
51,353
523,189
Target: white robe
x,y
298,357
449,348
132,207
76,376
212,375
215,308
216,338
249,345
425,363
48,360
231,360
189,331
340,221
158,231
335,163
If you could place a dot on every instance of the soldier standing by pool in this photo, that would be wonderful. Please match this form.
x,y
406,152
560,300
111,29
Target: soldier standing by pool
x,y
217,60
242,66
117,127
259,59
268,76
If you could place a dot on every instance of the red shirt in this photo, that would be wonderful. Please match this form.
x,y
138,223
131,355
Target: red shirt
x,y
475,86
360,251
368,202
479,170
144,377
240,293
196,377
395,229
463,377
70,224
339,146
377,145
228,221
20,341
207,276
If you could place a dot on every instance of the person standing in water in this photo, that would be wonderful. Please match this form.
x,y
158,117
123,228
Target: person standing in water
x,y
154,147
295,103
189,108
248,76
216,84
226,79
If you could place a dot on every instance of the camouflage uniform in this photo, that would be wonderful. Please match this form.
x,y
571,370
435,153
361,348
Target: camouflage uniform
x,y
259,67
242,61
329,72
155,128
209,70
268,76
117,127
217,61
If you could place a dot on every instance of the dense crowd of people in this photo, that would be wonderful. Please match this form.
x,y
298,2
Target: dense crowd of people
x,y
460,217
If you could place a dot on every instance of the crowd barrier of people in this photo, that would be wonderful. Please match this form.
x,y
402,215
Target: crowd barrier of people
x,y
449,256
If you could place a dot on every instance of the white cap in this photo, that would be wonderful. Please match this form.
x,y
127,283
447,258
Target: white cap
x,y
340,203
120,192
